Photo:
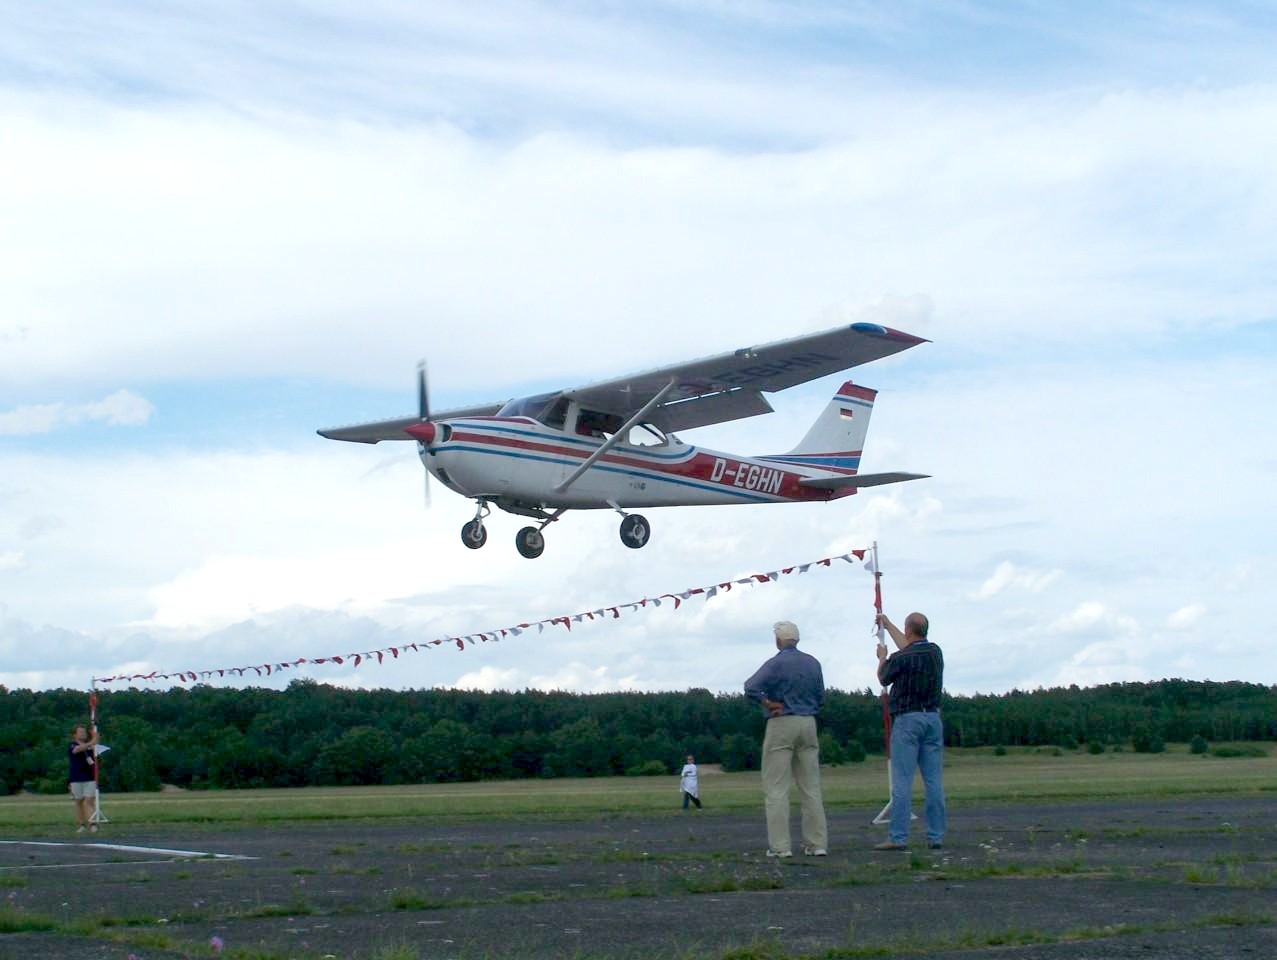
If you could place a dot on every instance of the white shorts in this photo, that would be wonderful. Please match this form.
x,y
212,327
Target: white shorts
x,y
84,790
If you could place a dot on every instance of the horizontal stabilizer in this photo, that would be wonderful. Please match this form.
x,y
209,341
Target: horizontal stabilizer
x,y
860,480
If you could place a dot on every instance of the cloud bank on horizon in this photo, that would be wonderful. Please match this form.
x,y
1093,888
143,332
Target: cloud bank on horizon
x,y
223,232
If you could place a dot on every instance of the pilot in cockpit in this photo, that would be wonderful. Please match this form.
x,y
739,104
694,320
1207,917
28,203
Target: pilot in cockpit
x,y
591,423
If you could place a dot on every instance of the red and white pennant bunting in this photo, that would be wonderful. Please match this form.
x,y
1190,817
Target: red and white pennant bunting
x,y
356,659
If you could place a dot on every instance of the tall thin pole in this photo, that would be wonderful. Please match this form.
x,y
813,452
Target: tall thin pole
x,y
886,705
98,816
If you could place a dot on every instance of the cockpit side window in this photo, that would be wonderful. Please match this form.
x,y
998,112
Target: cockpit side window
x,y
647,435
595,423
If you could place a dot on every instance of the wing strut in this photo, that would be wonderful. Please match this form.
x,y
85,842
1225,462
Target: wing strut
x,y
613,440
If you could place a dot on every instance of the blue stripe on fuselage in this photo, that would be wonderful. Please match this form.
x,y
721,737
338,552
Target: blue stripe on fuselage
x,y
648,475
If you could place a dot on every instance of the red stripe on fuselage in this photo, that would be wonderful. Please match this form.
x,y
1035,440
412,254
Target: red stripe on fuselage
x,y
700,466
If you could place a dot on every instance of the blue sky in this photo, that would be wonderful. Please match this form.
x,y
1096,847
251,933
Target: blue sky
x,y
222,229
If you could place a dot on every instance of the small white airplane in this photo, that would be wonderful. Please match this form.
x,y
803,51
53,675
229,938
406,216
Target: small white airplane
x,y
612,444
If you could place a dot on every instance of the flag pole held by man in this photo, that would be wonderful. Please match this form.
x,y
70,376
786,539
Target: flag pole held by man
x,y
915,673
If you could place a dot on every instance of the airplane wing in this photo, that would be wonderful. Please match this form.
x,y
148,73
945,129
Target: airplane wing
x,y
860,480
379,430
731,385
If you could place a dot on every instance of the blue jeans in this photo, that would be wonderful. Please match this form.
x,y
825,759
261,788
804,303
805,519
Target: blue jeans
x,y
917,743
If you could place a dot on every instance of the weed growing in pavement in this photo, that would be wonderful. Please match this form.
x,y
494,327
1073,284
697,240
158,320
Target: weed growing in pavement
x,y
1197,873
731,883
532,896
303,871
623,890
345,870
399,952
17,920
412,849
297,907
16,880
412,900
342,851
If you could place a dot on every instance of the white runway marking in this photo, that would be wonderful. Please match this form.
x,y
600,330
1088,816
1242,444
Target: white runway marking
x,y
160,851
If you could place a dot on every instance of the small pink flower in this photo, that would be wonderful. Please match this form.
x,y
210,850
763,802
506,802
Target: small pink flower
x,y
216,944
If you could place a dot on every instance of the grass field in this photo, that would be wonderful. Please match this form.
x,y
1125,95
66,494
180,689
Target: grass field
x,y
971,776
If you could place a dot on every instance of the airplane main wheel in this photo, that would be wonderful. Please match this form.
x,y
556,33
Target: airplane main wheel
x,y
635,531
530,542
474,534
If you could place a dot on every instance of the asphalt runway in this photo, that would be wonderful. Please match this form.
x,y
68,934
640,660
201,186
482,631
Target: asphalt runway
x,y
1183,878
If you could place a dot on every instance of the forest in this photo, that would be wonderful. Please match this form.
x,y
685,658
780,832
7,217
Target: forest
x,y
204,737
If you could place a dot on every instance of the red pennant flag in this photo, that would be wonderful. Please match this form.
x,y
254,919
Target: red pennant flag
x,y
379,656
337,660
358,659
858,554
461,644
394,652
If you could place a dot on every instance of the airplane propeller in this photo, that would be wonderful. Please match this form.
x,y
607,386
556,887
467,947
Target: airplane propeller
x,y
424,431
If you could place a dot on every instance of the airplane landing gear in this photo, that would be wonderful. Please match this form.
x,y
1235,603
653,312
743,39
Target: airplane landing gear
x,y
474,534
635,531
530,542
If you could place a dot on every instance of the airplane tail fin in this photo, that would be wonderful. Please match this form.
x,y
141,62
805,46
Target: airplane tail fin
x,y
836,439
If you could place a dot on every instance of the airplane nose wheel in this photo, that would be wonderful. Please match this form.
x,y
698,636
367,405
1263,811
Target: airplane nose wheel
x,y
474,534
530,542
635,531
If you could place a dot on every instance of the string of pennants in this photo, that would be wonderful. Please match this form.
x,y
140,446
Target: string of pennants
x,y
600,613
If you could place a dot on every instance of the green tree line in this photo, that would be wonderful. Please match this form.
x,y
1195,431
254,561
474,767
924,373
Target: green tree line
x,y
313,734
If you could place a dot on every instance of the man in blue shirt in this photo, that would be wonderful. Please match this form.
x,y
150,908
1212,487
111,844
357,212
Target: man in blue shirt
x,y
790,688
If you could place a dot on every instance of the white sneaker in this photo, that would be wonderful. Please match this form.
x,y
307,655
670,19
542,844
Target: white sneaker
x,y
779,856
815,852
80,829
93,828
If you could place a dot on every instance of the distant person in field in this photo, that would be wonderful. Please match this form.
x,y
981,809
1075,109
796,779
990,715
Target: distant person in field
x,y
790,687
83,788
915,673
689,783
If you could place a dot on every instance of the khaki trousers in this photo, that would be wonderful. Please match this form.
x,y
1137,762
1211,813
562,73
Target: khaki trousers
x,y
791,754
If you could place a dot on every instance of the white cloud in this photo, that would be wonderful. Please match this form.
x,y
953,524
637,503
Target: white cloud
x,y
121,408
1092,616
12,560
1185,618
489,678
1008,575
418,235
